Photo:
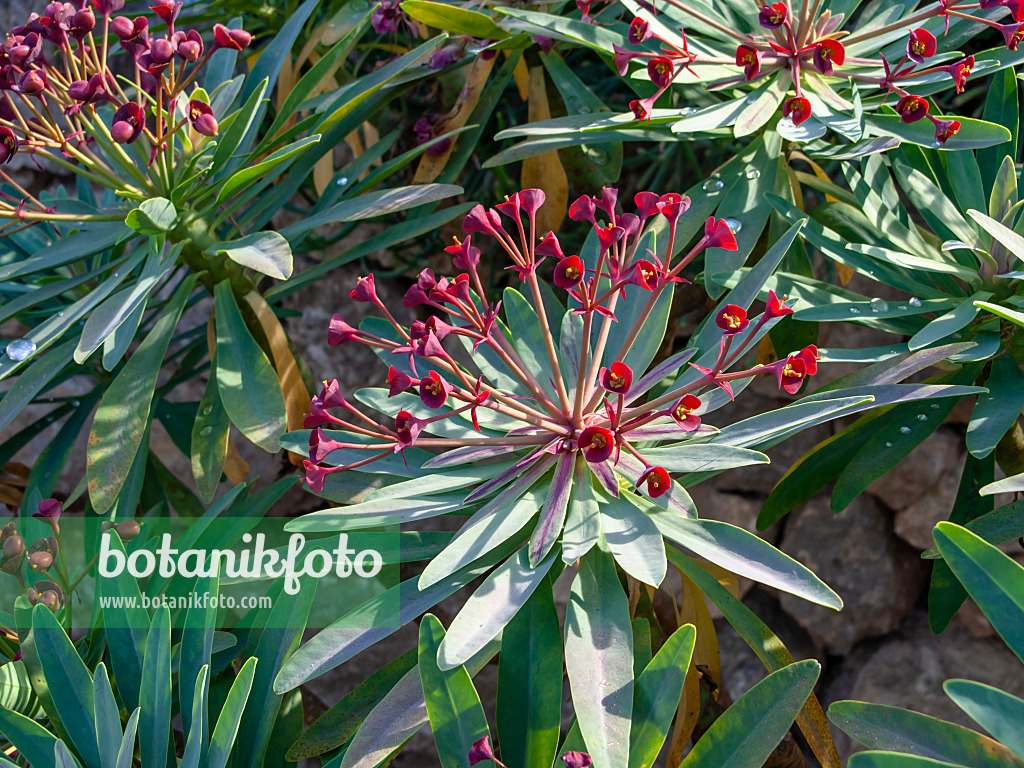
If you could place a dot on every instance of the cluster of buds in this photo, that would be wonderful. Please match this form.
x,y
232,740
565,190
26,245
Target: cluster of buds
x,y
388,17
55,77
46,593
571,409
792,41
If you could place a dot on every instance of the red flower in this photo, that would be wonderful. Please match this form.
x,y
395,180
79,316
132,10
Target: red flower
x,y
464,255
911,108
481,750
828,53
200,116
641,109
798,109
597,444
235,39
434,390
772,16
732,320
167,10
364,290
672,206
645,274
945,129
921,45
658,481
959,72
577,760
189,45
682,412
1013,34
549,246
639,31
479,219
618,378
316,475
569,272
49,510
748,57
398,381
408,428
719,235
582,209
775,307
791,374
660,70
128,123
8,144
622,58
1016,9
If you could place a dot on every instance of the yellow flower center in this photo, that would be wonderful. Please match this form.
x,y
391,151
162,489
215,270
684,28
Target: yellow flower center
x,y
790,372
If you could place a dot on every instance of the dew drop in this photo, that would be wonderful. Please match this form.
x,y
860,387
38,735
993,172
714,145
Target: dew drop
x,y
957,336
206,430
76,403
342,181
60,314
751,99
935,406
902,307
21,349
915,302
584,110
713,185
598,158
879,305
735,225
116,274
787,123
936,144
687,111
905,430
888,444
854,311
207,410
752,173
922,417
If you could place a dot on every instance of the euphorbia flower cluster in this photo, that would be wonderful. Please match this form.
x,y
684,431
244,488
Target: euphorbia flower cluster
x,y
56,80
794,38
576,404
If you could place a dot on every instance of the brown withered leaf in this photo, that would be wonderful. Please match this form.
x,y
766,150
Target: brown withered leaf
x,y
545,171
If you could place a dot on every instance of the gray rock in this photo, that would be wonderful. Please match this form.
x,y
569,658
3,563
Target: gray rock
x,y
856,553
918,476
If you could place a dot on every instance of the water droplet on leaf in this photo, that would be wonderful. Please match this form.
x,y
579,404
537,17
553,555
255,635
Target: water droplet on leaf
x,y
207,410
922,417
342,181
915,302
935,406
206,430
735,225
713,185
879,305
752,173
888,444
21,349
854,311
905,430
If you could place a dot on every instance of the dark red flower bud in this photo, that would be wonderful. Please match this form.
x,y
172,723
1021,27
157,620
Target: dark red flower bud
x,y
122,27
408,428
719,235
434,390
672,206
622,58
660,70
911,108
465,256
32,82
569,272
201,118
732,320
8,144
107,7
481,750
797,109
82,23
161,50
597,444
364,290
827,55
658,481
1013,34
189,45
617,378
235,39
641,108
338,332
1016,9
167,10
791,374
398,381
639,31
582,209
748,57
959,72
549,246
921,45
682,412
809,355
531,200
772,16
128,123
646,204
577,760
479,219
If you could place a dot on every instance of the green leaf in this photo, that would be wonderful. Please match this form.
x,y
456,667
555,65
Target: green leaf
x,y
456,717
108,721
1002,234
702,457
908,732
490,608
893,760
67,677
209,447
530,684
196,650
1012,484
1001,107
599,659
996,711
155,718
763,107
224,732
62,757
996,411
993,579
656,696
268,65
247,176
123,414
247,383
372,205
197,733
266,252
633,539
582,525
126,753
528,338
454,19
1003,312
973,134
229,141
153,217
32,381
338,724
126,625
552,515
34,742
749,730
